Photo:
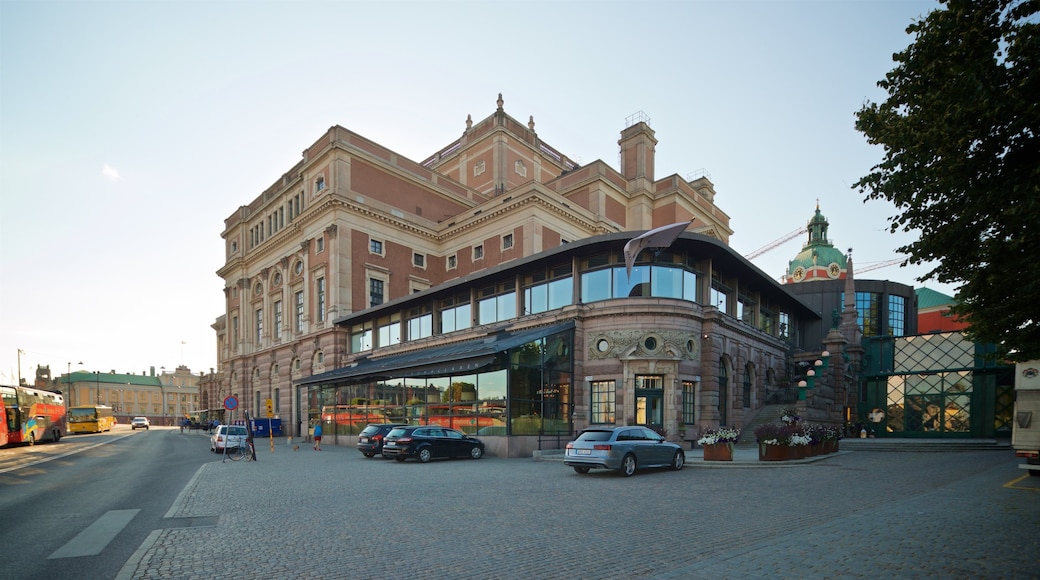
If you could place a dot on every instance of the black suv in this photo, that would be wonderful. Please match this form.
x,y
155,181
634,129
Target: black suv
x,y
428,442
370,440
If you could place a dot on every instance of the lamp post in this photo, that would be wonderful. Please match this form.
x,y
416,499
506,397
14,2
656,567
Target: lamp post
x,y
97,387
801,390
162,394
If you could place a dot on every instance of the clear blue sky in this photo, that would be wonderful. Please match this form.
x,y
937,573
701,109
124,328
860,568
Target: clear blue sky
x,y
130,130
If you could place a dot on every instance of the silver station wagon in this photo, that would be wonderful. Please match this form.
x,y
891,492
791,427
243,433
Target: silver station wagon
x,y
625,449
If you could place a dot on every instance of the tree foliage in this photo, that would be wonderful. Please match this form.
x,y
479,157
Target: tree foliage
x,y
961,161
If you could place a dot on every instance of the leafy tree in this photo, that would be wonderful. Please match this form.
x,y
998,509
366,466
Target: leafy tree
x,y
961,136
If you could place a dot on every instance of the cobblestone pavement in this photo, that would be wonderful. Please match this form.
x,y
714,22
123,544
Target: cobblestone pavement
x,y
859,514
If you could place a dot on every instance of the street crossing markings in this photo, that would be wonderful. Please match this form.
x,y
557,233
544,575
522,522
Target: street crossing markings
x,y
92,540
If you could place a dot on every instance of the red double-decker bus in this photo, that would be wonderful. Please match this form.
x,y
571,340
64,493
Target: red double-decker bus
x,y
29,415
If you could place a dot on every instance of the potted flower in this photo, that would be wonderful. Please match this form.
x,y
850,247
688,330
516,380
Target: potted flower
x,y
773,442
789,416
799,443
718,443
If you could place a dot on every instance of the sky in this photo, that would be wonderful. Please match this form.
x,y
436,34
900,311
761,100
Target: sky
x,y
129,131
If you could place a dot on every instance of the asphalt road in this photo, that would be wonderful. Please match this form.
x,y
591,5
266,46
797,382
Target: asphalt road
x,y
80,507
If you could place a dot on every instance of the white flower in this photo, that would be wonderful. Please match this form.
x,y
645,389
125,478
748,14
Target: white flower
x,y
800,440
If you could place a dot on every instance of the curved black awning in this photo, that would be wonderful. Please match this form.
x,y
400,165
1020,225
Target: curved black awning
x,y
449,359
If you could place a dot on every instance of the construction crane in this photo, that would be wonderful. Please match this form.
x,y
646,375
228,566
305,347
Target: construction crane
x,y
776,243
880,265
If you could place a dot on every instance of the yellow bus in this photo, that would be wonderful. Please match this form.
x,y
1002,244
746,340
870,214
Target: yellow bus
x,y
90,419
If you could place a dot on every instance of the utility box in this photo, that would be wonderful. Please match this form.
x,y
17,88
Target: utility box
x,y
267,427
1025,429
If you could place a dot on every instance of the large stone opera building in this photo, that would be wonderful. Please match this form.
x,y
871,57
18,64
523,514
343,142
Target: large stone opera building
x,y
485,287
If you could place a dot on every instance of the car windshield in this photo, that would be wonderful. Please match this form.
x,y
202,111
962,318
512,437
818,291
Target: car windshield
x,y
595,436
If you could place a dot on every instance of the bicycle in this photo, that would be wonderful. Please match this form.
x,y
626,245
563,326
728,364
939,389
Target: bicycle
x,y
240,451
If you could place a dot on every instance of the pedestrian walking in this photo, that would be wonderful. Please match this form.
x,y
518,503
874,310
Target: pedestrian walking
x,y
317,436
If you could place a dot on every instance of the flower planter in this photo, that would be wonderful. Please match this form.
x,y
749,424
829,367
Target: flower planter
x,y
718,452
830,445
815,449
773,452
799,451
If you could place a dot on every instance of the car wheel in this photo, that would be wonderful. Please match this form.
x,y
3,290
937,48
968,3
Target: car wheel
x,y
678,460
369,455
425,455
476,453
581,469
400,458
628,465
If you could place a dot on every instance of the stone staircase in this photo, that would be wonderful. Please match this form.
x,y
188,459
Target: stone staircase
x,y
767,414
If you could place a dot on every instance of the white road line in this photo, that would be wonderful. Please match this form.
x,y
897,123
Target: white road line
x,y
66,454
92,540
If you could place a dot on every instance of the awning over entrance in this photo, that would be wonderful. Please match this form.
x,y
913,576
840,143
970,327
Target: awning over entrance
x,y
449,359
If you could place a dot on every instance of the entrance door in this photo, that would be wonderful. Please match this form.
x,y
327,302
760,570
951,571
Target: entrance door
x,y
650,407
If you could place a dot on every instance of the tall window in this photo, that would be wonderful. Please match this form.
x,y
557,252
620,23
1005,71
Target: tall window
x,y
478,252
507,241
389,331
896,315
277,319
298,298
234,330
603,393
361,337
375,247
375,292
747,385
259,324
321,299
277,399
784,328
689,403
868,306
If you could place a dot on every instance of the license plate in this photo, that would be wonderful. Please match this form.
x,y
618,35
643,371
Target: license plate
x,y
364,439
583,452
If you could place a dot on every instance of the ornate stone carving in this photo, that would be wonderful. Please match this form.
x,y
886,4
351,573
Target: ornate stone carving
x,y
626,343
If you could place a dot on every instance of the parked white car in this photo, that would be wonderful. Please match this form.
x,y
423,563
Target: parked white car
x,y
227,436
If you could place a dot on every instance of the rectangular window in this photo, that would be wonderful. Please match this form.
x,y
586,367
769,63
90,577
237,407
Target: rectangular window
x,y
321,300
596,285
691,286
361,337
497,303
455,314
420,323
234,331
389,331
602,404
375,292
277,319
689,403
452,262
746,310
507,241
298,298
277,399
718,298
259,325
896,314
375,247
478,252
784,327
419,260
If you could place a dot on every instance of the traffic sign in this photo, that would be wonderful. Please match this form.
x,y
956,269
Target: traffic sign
x,y
231,403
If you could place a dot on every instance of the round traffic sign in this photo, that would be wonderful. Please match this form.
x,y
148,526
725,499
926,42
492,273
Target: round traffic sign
x,y
231,403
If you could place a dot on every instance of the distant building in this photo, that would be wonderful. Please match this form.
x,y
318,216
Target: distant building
x,y
933,312
163,398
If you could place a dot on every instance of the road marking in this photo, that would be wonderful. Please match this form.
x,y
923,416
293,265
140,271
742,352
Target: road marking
x,y
65,454
92,540
1011,484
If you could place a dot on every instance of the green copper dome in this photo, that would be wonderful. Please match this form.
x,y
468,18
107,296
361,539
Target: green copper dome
x,y
817,252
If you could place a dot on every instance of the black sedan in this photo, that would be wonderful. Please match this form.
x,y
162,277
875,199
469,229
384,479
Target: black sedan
x,y
370,440
426,442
